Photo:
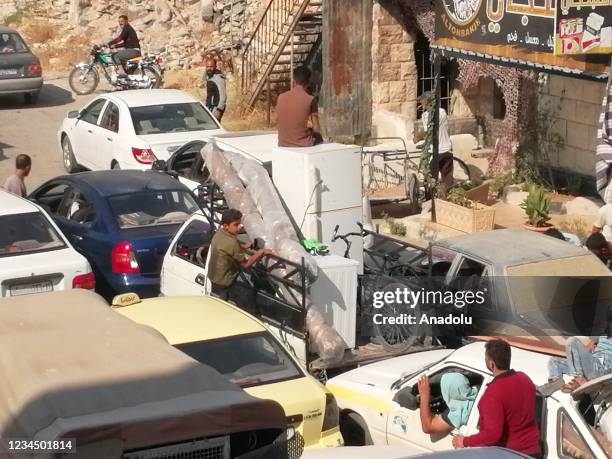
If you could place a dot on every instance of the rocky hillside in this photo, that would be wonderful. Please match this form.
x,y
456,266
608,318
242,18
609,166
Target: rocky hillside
x,y
184,30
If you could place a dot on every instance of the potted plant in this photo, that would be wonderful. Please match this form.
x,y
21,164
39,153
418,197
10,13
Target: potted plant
x,y
460,212
537,208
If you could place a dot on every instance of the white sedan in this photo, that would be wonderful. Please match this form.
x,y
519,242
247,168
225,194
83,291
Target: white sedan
x,y
34,255
132,129
378,403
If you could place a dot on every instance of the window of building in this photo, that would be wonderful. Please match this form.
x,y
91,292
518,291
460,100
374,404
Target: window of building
x,y
427,78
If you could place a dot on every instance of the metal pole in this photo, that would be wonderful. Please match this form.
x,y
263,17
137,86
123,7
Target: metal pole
x,y
436,129
291,60
269,99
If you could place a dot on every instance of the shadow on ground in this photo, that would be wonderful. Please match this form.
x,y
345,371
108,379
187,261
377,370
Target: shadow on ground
x,y
50,96
3,147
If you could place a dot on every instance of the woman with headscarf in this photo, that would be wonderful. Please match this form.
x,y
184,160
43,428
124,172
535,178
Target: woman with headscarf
x,y
459,397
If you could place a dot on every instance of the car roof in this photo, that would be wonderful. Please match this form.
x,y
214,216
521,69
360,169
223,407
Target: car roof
x,y
115,182
4,29
145,97
511,247
71,363
534,364
189,319
12,204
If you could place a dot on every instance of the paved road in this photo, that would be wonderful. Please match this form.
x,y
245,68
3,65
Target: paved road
x,y
33,130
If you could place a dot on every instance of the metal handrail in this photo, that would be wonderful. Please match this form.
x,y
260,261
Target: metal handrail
x,y
274,29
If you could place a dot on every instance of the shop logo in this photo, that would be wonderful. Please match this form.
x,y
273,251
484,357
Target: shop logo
x,y
462,12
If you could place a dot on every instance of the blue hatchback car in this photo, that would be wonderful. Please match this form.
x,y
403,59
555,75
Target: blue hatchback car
x,y
122,221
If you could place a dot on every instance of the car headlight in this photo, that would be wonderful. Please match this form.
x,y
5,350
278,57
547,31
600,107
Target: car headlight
x,y
331,418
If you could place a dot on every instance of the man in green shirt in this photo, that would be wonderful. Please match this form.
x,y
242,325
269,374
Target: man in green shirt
x,y
228,256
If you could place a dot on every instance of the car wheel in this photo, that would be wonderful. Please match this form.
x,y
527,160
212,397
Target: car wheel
x,y
70,163
31,98
115,165
354,430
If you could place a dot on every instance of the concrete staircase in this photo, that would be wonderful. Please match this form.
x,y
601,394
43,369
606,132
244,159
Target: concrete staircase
x,y
288,35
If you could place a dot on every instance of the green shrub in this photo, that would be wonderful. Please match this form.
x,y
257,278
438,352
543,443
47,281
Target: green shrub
x,y
536,206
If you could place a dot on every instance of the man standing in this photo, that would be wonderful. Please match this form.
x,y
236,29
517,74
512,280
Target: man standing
x,y
294,109
15,183
228,256
216,91
507,408
445,154
128,40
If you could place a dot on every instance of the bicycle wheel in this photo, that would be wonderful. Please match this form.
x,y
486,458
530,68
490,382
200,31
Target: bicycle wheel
x,y
461,171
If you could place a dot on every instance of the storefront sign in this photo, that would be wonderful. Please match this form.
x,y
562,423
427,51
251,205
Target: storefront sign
x,y
522,31
583,27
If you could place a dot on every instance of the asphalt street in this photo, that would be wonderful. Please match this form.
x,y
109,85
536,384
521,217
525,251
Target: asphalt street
x,y
32,129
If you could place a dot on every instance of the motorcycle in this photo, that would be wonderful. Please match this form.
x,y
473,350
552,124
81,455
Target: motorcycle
x,y
141,73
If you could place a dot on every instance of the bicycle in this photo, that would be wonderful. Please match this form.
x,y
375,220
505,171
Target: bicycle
x,y
384,277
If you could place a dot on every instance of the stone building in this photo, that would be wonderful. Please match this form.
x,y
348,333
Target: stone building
x,y
479,97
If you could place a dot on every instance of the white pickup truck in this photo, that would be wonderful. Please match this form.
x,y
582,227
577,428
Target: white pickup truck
x,y
320,188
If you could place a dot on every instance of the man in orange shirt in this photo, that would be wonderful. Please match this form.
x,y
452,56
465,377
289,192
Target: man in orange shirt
x,y
294,109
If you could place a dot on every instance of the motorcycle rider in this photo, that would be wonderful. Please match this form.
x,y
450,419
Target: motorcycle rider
x,y
128,41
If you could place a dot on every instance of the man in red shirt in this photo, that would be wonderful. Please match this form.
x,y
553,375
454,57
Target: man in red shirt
x,y
507,408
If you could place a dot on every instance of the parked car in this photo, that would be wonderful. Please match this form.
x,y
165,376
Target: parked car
x,y
73,370
532,285
379,403
34,254
398,452
20,69
132,129
122,221
241,348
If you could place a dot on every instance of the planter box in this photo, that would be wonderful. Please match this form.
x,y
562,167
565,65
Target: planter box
x,y
480,218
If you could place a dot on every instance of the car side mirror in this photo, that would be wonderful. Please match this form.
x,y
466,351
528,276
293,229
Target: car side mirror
x,y
406,399
159,165
73,114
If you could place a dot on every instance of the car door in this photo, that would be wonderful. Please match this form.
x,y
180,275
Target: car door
x,y
471,275
188,164
85,136
404,422
184,267
83,226
108,137
50,196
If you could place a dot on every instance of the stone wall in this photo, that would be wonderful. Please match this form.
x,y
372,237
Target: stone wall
x,y
576,105
394,73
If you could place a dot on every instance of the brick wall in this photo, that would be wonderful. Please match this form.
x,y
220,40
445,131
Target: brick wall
x,y
579,106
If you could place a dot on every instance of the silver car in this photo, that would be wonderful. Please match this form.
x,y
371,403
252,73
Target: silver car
x,y
20,69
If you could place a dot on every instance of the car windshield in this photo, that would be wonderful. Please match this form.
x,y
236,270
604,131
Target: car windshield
x,y
165,118
569,293
246,360
152,208
11,43
21,234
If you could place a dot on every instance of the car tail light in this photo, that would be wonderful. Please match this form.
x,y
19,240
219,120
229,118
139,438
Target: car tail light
x,y
158,60
34,70
123,259
143,155
86,281
331,418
